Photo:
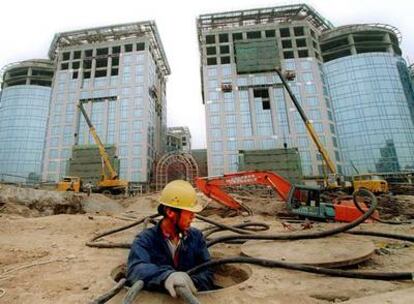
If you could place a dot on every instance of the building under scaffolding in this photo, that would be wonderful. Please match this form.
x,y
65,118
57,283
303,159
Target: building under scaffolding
x,y
119,72
247,107
351,81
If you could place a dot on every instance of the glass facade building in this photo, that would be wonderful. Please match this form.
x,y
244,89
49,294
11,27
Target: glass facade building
x,y
121,81
374,120
246,106
24,110
372,98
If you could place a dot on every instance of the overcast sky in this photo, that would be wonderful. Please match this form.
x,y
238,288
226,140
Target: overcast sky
x,y
27,29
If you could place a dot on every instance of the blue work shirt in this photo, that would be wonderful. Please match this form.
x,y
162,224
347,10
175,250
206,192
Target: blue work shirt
x,y
150,259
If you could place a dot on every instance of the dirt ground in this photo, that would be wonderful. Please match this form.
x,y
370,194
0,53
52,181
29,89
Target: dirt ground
x,y
43,257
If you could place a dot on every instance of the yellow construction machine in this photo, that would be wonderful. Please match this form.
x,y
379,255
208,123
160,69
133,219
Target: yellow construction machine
x,y
110,182
333,180
70,183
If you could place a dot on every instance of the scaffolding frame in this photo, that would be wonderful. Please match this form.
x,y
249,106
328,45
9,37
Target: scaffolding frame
x,y
114,33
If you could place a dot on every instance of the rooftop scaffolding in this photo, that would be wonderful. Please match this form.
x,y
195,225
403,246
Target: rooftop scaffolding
x,y
113,33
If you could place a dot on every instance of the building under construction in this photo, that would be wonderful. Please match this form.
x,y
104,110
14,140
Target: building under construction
x,y
119,73
363,114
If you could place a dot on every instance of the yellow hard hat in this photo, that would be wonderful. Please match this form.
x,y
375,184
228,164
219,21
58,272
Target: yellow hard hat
x,y
181,195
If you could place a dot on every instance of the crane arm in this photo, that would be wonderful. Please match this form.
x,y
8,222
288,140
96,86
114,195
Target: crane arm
x,y
309,126
101,148
213,186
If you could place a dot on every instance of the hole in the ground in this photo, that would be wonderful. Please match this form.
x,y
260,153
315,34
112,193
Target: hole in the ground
x,y
224,275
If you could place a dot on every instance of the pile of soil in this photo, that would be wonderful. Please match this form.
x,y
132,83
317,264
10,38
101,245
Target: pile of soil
x,y
29,202
396,206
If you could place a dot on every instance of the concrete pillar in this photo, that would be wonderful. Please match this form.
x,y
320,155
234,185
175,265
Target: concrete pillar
x,y
352,44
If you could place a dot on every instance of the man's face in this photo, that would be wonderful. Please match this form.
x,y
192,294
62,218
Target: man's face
x,y
184,221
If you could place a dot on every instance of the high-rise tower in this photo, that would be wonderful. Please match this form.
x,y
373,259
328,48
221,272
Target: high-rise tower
x,y
246,106
119,73
24,111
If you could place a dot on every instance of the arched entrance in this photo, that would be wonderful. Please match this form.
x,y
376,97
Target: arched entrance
x,y
175,165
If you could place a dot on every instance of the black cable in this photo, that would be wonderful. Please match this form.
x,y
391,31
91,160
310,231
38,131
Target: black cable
x,y
401,237
301,236
252,226
93,242
386,276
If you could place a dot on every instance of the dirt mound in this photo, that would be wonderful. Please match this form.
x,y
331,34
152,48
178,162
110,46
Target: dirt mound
x,y
396,206
31,202
99,203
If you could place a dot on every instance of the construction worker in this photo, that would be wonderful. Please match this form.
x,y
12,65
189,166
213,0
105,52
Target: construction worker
x,y
89,187
161,255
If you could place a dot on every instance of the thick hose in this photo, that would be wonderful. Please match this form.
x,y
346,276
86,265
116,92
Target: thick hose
x,y
92,242
111,293
385,276
186,295
252,226
133,292
401,237
301,236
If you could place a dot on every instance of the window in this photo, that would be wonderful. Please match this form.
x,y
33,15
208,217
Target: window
x,y
286,44
224,49
116,50
76,54
102,62
87,64
270,33
223,38
210,39
75,65
101,51
303,53
225,60
66,56
211,50
100,73
140,46
288,54
64,66
128,48
211,61
114,72
299,31
284,32
254,35
115,61
75,75
237,36
301,42
88,53
264,95
86,75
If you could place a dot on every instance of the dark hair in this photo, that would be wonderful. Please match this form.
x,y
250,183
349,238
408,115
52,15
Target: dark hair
x,y
162,209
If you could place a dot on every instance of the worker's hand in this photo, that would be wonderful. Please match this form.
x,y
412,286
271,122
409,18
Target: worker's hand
x,y
181,279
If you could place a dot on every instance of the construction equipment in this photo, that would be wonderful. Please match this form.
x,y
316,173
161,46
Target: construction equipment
x,y
70,183
372,182
334,181
110,182
303,201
